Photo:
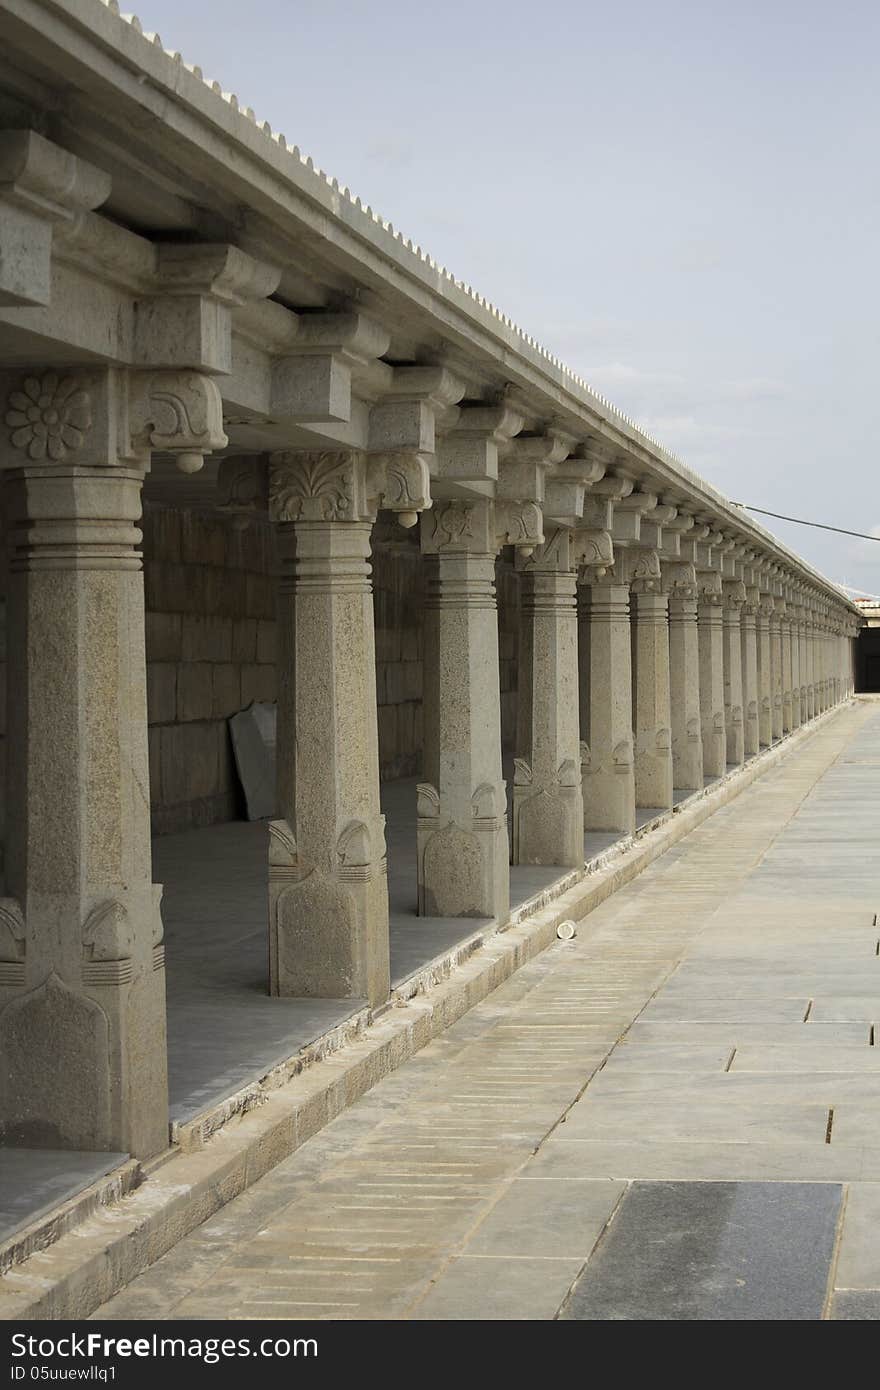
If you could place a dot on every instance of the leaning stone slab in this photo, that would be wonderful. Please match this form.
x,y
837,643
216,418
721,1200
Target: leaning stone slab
x,y
253,741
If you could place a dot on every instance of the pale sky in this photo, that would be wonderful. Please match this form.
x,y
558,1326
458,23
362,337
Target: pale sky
x,y
679,199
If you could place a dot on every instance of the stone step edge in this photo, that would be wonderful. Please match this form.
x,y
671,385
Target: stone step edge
x,y
81,1263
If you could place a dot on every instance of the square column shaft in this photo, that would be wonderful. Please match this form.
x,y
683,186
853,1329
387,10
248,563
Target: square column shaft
x,y
651,698
787,705
749,650
711,638
548,808
684,687
463,849
606,721
776,671
328,894
82,982
765,675
796,704
807,672
734,597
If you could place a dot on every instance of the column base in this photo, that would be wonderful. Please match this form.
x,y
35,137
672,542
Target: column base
x,y
714,753
328,933
687,760
751,732
548,826
610,800
463,872
653,771
84,1060
735,733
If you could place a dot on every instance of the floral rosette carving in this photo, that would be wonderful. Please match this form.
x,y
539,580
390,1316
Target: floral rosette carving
x,y
49,418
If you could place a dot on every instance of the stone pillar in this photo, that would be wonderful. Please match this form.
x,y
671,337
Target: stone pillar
x,y
749,648
787,714
607,755
548,807
711,645
836,664
776,666
328,897
765,671
810,663
463,852
816,655
652,764
802,666
796,717
734,595
684,678
818,678
82,983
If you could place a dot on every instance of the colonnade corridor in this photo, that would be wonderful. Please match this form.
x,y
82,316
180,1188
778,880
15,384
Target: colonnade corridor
x,y
297,526
673,1115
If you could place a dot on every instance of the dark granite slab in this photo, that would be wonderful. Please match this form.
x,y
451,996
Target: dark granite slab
x,y
697,1251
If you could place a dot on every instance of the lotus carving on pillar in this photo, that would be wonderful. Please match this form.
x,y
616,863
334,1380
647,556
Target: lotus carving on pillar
x,y
49,417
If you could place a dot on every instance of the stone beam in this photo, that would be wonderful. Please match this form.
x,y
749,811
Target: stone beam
x,y
42,187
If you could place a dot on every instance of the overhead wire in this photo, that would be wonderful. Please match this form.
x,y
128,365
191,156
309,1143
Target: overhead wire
x,y
799,521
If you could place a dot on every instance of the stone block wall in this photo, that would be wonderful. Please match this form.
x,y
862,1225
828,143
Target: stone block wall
x,y
398,595
507,591
210,638
397,598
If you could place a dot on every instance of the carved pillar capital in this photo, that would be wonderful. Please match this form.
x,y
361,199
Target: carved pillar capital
x,y
711,592
734,597
553,557
460,527
107,417
400,482
592,552
640,569
319,485
680,581
519,523
179,413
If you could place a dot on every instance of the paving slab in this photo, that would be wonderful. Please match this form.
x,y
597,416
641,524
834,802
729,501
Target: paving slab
x,y
487,1289
698,1160
858,1258
646,1030
548,1219
807,1056
733,1120
856,1307
719,1251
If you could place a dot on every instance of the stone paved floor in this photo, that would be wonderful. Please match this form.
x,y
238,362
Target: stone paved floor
x,y
224,1030
675,1116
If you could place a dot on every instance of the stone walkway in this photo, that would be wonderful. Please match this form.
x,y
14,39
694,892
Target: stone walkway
x,y
224,1030
676,1115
